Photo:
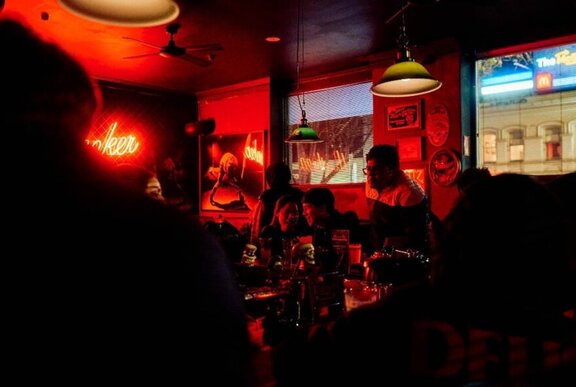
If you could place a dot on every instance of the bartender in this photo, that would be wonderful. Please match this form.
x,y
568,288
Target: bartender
x,y
398,206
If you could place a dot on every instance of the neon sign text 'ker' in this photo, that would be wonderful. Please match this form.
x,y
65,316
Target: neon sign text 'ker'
x,y
115,145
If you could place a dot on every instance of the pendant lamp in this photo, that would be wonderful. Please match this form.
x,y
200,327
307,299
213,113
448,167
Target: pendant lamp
x,y
405,78
303,133
128,13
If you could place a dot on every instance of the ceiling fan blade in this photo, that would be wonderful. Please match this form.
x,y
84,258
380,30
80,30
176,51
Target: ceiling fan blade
x,y
140,56
204,47
203,62
142,42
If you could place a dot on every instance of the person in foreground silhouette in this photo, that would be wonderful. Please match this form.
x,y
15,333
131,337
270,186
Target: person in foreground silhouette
x,y
492,314
109,286
470,176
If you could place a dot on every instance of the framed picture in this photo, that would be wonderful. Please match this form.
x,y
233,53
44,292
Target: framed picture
x,y
444,167
419,174
404,116
409,148
232,171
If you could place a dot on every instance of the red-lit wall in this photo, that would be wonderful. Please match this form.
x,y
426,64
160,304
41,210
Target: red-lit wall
x,y
246,107
156,120
447,69
237,109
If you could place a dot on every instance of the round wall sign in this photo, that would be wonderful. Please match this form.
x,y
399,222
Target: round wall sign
x,y
444,167
438,125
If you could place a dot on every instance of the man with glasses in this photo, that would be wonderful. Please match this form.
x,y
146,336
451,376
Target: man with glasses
x,y
397,205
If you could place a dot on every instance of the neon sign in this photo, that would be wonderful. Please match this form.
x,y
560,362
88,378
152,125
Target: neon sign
x,y
251,152
115,145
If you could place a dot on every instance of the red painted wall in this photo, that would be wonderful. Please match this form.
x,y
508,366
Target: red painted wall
x,y
246,107
237,109
447,69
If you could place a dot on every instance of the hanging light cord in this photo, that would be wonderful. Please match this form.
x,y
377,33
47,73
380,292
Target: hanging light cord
x,y
403,41
300,59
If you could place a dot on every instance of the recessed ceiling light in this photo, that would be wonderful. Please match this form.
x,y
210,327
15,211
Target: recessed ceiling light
x,y
273,39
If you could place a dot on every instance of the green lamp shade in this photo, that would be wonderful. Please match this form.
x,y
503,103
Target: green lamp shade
x,y
303,134
405,79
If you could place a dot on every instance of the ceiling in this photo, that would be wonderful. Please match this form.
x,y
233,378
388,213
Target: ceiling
x,y
338,35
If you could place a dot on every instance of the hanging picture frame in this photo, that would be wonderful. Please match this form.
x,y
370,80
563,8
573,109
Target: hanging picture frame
x,y
409,148
232,171
404,116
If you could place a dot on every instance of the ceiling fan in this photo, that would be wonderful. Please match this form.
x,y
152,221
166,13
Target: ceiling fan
x,y
200,54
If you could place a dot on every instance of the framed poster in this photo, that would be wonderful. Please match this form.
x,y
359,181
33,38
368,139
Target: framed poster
x,y
404,116
444,167
231,171
409,148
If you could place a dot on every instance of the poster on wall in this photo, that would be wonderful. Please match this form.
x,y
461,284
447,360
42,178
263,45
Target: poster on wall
x,y
419,175
232,171
409,148
406,115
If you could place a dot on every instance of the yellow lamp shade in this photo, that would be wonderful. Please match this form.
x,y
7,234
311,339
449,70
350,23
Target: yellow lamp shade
x,y
405,79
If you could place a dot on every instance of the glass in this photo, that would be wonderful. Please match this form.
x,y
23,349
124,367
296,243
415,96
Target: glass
x,y
265,250
354,254
368,170
287,265
359,293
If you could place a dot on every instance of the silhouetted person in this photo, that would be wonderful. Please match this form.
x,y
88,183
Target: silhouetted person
x,y
319,206
564,188
470,176
139,179
492,316
278,178
104,284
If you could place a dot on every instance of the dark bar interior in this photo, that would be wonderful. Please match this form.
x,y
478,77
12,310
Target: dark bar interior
x,y
290,193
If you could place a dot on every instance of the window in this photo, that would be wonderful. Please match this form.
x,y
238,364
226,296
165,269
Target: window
x,y
525,102
489,146
342,117
516,144
553,142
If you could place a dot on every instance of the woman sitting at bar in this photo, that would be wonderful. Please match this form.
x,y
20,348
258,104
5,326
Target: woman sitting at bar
x,y
283,231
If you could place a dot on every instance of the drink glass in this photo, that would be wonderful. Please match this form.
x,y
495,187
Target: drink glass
x,y
354,254
265,250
